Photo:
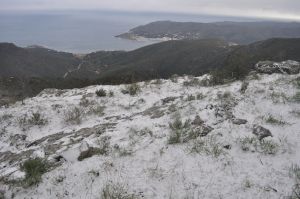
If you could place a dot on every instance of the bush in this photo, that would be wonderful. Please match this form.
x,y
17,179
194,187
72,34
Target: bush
x,y
191,98
272,120
294,172
37,119
117,191
208,146
296,97
132,89
97,110
111,94
34,169
101,93
267,147
73,116
217,77
244,87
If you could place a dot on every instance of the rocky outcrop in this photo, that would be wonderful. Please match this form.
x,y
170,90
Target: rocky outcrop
x,y
269,67
261,132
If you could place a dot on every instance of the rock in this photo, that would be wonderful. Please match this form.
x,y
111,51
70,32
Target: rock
x,y
239,121
198,121
228,146
269,67
206,130
168,100
261,132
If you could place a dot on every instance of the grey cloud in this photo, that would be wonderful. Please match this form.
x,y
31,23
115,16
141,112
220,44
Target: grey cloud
x,y
281,9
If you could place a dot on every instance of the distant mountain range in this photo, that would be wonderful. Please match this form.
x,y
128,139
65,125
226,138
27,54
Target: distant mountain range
x,y
236,32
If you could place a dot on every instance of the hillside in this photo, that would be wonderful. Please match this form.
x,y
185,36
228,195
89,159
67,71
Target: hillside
x,y
45,68
34,61
237,32
171,139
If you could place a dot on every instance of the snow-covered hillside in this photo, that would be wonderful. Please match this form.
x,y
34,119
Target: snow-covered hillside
x,y
173,139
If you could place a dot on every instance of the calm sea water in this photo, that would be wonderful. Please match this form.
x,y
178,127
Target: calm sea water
x,y
82,31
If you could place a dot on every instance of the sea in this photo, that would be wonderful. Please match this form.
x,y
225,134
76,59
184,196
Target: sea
x,y
83,32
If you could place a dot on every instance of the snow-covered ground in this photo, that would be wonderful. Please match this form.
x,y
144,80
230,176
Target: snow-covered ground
x,y
135,132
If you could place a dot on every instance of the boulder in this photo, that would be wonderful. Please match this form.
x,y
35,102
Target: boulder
x,y
239,121
269,67
261,132
197,121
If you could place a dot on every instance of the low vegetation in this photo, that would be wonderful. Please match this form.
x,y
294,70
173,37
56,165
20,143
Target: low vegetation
x,y
35,119
270,119
296,97
294,172
117,191
132,89
268,147
34,169
207,146
101,93
73,116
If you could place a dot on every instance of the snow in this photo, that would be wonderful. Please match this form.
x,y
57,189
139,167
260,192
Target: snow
x,y
144,162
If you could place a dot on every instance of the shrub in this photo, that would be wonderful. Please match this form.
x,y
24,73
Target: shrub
x,y
111,94
191,98
244,87
37,119
193,82
296,97
294,172
272,120
97,110
209,146
73,116
174,78
101,93
267,147
34,169
117,191
217,77
132,89
85,102
297,82
200,96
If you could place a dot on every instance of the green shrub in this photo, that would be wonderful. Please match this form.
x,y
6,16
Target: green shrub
x,y
73,116
131,89
117,191
111,94
97,110
191,98
272,120
208,146
296,97
37,119
101,93
244,87
34,169
267,147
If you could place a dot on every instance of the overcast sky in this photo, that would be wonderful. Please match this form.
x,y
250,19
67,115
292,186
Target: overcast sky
x,y
274,9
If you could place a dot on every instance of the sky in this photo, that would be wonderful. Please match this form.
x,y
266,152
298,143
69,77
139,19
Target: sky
x,y
269,9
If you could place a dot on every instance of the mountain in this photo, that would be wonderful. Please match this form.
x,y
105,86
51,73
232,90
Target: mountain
x,y
191,57
237,32
34,61
34,69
